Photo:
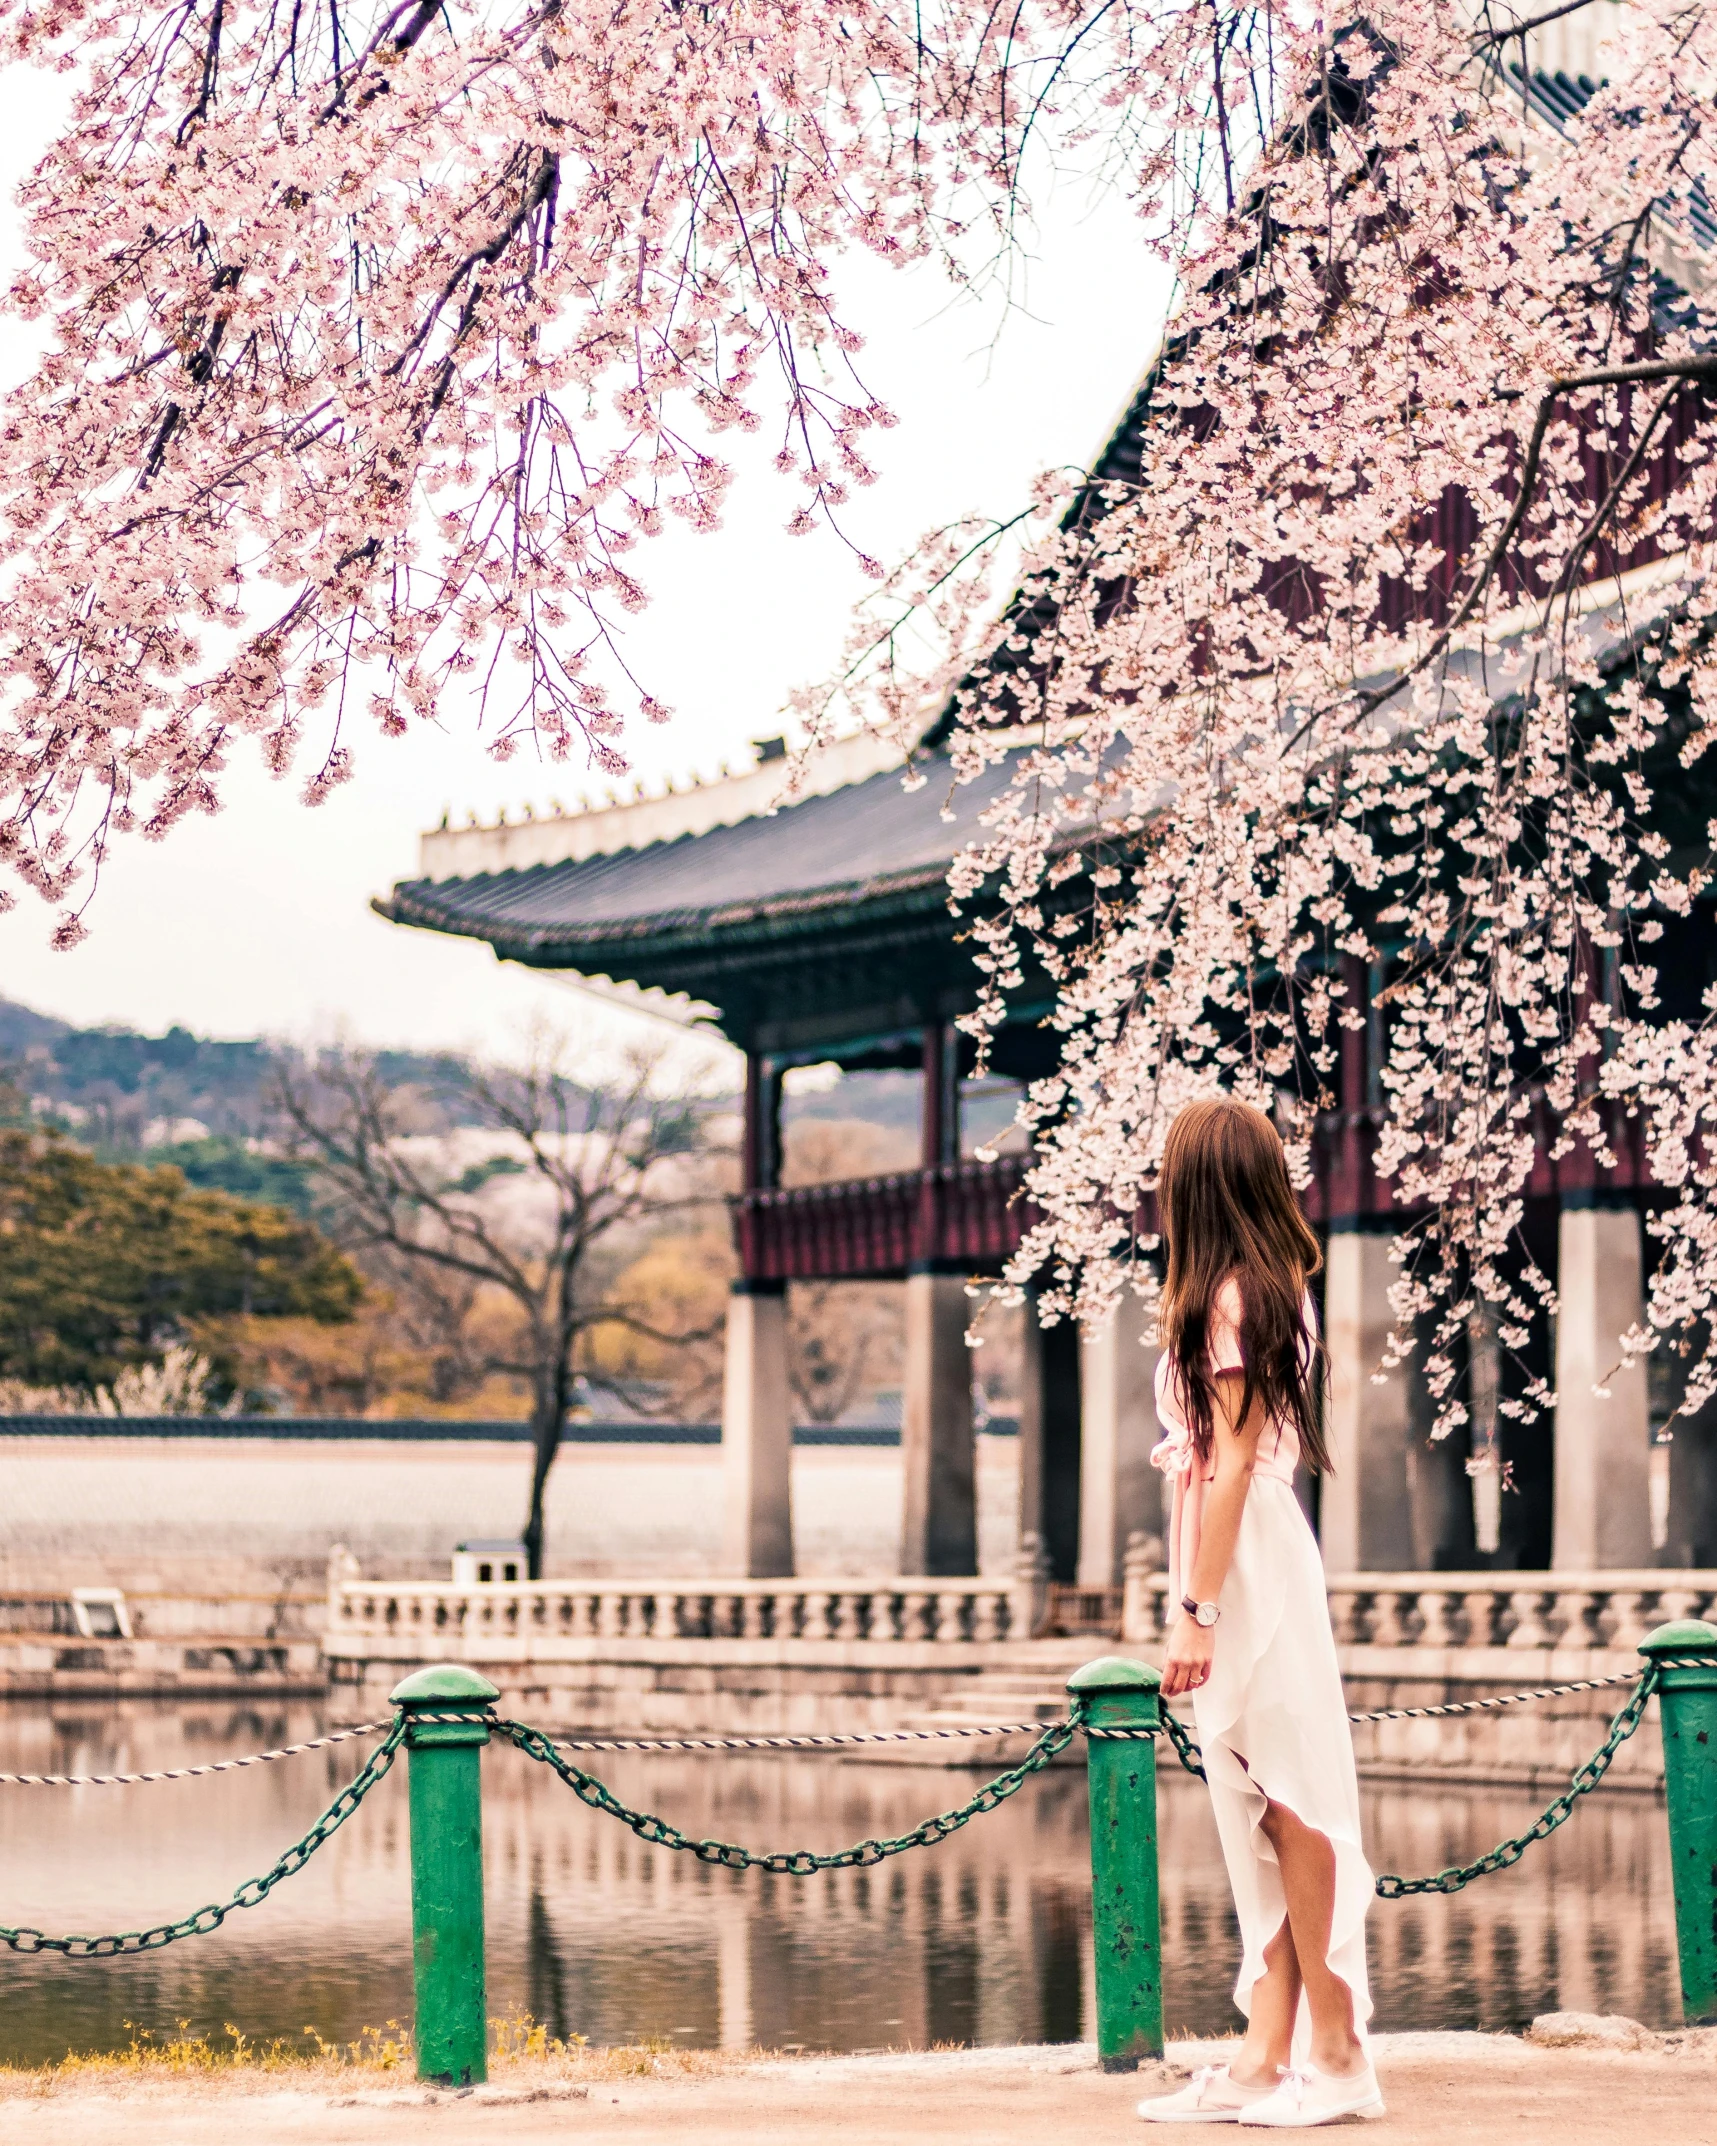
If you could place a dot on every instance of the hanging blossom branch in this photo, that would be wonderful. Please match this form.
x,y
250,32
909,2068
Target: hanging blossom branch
x,y
1397,662
377,341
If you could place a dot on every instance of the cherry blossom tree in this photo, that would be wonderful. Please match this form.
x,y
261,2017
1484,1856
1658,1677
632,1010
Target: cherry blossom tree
x,y
374,343
1396,657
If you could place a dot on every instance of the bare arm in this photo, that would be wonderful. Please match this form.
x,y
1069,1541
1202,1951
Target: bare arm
x,y
1192,1646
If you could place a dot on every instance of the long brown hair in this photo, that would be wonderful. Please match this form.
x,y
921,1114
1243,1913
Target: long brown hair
x,y
1229,1214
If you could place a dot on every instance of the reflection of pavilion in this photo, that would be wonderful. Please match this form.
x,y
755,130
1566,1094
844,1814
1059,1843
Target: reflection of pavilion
x,y
821,932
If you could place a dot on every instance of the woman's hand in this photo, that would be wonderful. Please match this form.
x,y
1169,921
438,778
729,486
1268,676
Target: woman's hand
x,y
1191,1649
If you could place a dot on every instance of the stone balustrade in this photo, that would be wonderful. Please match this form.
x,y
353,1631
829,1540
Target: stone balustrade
x,y
895,1611
1471,1612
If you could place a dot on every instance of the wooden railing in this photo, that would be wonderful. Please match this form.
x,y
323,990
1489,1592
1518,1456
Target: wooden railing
x,y
966,1215
972,1215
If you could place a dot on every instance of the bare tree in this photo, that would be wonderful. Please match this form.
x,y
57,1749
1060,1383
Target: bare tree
x,y
545,1173
841,1336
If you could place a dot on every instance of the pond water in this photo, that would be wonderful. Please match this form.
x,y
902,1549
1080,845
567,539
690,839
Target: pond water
x,y
985,1938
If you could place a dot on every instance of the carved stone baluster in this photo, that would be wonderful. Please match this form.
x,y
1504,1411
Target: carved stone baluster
x,y
950,1615
986,1615
917,1615
1344,1615
1609,1615
819,1620
1632,1616
1390,1607
1439,1614
756,1616
1140,1615
1031,1588
1527,1610
1675,1603
1578,1608
610,1614
850,1606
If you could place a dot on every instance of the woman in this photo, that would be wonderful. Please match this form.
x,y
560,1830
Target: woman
x,y
1251,1636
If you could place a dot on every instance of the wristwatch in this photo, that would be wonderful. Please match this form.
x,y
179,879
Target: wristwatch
x,y
1204,1613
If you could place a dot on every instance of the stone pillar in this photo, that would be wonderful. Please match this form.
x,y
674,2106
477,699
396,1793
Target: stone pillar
x,y
757,1435
1527,1450
1692,1538
1120,1493
1049,1441
1439,1489
939,1529
1362,1503
1602,1509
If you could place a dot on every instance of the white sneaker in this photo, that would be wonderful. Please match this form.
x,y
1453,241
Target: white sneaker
x,y
1313,2097
1210,2096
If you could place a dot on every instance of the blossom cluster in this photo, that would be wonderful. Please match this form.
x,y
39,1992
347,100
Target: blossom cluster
x,y
1381,699
376,339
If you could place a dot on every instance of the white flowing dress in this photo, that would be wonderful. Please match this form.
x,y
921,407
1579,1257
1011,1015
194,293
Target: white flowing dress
x,y
1272,1720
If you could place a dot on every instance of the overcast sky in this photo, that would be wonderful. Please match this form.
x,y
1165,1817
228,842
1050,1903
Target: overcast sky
x,y
258,920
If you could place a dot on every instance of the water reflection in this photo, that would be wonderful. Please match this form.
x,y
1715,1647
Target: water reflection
x,y
983,1939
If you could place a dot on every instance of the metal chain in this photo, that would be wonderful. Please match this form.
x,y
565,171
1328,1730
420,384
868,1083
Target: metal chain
x,y
1585,1779
798,1862
1513,1698
1508,1852
251,1894
189,1773
835,1740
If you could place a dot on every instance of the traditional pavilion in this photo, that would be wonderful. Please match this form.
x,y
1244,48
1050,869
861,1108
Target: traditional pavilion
x,y
821,931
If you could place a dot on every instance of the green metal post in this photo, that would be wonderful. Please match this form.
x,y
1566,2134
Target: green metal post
x,y
1687,1699
1126,1932
447,1870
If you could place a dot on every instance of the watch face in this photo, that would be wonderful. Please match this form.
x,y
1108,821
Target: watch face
x,y
1206,1613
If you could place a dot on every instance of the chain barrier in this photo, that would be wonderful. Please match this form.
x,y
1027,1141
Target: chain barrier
x,y
1485,1706
1586,1778
251,1894
834,1741
798,1862
1051,1740
189,1773
1508,1852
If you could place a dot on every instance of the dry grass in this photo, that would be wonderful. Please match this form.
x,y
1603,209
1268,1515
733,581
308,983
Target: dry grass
x,y
522,2055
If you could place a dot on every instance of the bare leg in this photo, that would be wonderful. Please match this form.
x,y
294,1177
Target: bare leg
x,y
1265,2052
1307,1862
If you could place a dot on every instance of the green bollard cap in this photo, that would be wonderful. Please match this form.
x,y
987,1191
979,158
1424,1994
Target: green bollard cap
x,y
1113,1672
1689,1635
445,1684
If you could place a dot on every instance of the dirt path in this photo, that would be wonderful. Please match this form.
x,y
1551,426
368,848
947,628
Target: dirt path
x,y
1441,2089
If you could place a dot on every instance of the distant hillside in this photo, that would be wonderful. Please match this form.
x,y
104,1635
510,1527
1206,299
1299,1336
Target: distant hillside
x,y
123,1091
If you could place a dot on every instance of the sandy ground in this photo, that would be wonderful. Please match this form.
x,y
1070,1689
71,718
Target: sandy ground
x,y
1440,2088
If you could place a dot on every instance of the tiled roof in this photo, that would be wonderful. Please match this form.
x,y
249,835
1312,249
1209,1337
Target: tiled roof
x,y
761,877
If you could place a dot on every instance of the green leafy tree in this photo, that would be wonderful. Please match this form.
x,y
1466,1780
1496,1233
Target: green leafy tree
x,y
106,1266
